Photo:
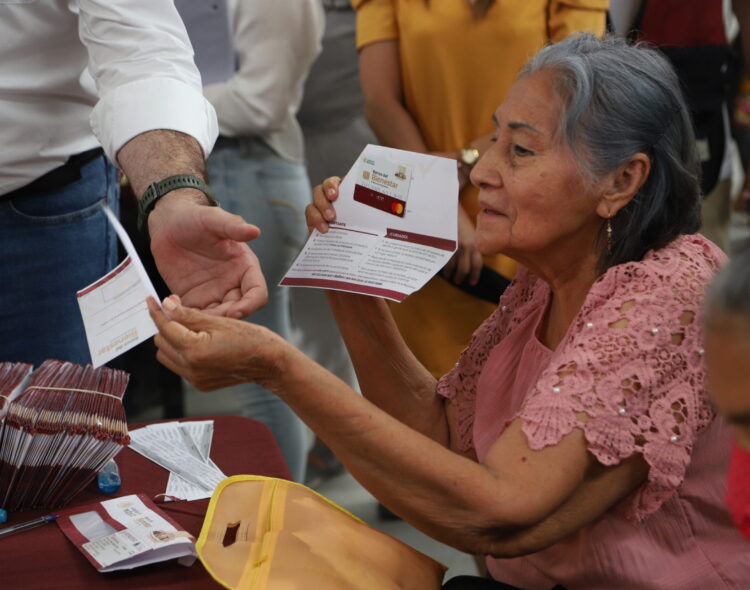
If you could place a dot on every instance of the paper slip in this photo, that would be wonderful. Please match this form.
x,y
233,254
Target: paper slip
x,y
115,315
182,448
396,226
197,435
126,532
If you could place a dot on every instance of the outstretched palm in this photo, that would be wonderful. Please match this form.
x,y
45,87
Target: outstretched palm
x,y
202,255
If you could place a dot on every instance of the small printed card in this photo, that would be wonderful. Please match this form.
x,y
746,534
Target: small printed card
x,y
114,310
127,532
383,185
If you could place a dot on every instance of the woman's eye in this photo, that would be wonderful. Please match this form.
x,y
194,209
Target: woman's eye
x,y
521,151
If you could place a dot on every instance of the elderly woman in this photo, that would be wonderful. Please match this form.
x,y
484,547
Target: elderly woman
x,y
573,443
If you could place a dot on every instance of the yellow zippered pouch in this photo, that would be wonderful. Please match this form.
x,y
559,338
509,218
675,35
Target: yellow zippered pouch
x,y
263,533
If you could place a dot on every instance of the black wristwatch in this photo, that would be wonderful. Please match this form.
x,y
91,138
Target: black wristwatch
x,y
156,190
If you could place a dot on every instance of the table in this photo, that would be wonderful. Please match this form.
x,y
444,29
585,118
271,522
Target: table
x,y
44,558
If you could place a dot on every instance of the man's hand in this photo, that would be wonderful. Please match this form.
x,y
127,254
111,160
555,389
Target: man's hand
x,y
201,253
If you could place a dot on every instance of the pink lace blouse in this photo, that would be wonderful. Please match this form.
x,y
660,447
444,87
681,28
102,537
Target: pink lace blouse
x,y
631,361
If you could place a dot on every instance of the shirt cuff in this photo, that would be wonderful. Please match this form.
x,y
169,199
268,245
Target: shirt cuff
x,y
153,103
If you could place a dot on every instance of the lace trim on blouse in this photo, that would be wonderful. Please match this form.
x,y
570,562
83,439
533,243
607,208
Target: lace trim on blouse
x,y
631,362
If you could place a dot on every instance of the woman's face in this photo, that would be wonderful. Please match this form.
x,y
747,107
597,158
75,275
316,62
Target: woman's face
x,y
533,200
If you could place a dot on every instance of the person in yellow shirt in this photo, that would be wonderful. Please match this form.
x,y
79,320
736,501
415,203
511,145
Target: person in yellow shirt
x,y
423,68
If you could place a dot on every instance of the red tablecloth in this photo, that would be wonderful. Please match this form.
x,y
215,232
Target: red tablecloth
x,y
43,557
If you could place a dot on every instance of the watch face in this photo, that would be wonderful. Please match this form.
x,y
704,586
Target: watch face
x,y
469,156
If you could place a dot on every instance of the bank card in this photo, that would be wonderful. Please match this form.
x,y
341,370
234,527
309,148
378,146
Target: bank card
x,y
382,184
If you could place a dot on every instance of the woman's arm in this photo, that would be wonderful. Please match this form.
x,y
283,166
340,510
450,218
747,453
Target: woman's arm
x,y
380,77
389,374
393,124
517,502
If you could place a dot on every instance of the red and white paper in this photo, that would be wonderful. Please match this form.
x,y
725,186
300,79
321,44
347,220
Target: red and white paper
x,y
126,532
395,227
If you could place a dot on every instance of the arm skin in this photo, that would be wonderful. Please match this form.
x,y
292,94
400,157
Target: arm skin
x,y
404,389
200,251
396,440
380,76
388,373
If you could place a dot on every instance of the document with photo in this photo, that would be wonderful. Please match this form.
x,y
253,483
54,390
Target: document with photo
x,y
126,532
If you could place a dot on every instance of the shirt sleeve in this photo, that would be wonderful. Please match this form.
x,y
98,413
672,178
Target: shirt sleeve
x,y
630,373
376,21
141,60
276,43
569,16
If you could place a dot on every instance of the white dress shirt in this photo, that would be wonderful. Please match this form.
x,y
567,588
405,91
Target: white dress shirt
x,y
276,42
117,67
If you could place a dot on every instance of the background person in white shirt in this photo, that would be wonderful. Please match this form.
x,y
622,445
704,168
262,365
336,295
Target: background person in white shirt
x,y
257,167
124,69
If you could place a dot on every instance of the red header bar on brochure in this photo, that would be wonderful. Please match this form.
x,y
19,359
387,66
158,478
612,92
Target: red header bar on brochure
x,y
106,278
424,240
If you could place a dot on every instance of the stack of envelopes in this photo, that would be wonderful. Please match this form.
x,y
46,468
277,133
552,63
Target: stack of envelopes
x,y
58,431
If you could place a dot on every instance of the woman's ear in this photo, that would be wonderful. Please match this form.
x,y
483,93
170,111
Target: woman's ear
x,y
623,184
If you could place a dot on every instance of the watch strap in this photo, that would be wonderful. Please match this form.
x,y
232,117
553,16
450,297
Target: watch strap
x,y
156,190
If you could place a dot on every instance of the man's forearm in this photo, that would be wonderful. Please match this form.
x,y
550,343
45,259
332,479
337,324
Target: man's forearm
x,y
154,155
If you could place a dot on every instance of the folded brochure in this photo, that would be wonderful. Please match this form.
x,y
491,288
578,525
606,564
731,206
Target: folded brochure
x,y
395,228
125,533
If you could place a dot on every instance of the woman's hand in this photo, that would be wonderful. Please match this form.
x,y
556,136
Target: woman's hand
x,y
213,352
466,264
321,211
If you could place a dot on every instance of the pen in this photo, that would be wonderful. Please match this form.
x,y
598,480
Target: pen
x,y
24,526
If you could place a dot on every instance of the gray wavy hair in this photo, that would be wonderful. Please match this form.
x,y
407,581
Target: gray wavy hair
x,y
620,99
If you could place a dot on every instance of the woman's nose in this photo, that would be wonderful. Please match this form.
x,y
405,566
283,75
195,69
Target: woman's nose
x,y
485,173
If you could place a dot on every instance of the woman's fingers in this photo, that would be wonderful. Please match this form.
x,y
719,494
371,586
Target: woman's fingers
x,y
314,219
464,266
331,187
171,334
321,211
450,268
476,266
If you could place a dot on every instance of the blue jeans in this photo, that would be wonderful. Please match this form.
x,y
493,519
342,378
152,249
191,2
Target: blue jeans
x,y
251,180
52,245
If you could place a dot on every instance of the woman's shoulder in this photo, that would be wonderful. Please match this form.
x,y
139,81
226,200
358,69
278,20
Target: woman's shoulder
x,y
632,364
683,268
